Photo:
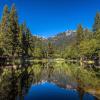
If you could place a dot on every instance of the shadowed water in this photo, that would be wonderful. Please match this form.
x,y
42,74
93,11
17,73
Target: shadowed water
x,y
47,81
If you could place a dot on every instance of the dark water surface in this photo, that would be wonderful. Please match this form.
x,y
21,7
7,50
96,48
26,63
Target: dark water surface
x,y
48,81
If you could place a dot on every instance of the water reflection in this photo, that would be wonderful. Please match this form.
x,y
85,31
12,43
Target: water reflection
x,y
49,91
26,82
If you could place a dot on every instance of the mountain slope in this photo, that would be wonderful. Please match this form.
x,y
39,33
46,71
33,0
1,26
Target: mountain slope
x,y
63,39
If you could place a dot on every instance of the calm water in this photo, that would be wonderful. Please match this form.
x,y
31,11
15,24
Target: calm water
x,y
50,91
48,81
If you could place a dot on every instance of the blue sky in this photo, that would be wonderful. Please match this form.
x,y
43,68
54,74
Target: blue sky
x,y
49,17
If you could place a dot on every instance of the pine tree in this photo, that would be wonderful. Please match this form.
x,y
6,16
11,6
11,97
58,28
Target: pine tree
x,y
14,29
20,37
96,25
88,34
25,37
5,35
80,34
29,41
50,49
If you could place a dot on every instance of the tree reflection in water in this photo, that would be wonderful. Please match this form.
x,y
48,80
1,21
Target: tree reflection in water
x,y
15,84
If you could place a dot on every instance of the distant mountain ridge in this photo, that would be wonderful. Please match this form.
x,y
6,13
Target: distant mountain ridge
x,y
63,39
59,41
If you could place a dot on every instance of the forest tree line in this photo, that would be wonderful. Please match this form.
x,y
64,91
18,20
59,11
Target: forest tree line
x,y
87,43
16,40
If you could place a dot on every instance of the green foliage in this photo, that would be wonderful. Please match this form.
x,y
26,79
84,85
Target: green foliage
x,y
88,34
71,52
96,25
87,42
5,35
14,29
88,47
15,39
1,51
79,34
50,49
83,76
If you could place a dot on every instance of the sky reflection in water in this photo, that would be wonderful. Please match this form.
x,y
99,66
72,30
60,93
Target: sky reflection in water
x,y
49,91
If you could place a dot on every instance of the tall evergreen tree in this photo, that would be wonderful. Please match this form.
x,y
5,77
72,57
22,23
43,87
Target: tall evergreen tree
x,y
79,34
96,25
50,49
24,40
29,41
5,35
25,36
14,29
20,38
88,34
